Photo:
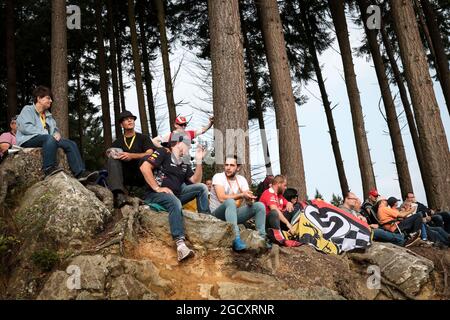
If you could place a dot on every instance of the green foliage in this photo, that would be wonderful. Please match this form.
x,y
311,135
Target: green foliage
x,y
318,195
336,200
6,244
45,259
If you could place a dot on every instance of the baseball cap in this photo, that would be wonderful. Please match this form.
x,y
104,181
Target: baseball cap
x,y
374,193
180,120
392,200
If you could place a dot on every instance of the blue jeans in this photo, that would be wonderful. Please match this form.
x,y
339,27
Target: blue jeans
x,y
174,204
197,191
386,236
50,147
228,211
438,234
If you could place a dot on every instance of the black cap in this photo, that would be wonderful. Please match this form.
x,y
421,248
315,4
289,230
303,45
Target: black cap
x,y
126,114
391,201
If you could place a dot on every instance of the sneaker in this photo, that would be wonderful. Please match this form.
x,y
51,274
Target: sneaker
x,y
413,238
52,171
184,252
87,177
238,244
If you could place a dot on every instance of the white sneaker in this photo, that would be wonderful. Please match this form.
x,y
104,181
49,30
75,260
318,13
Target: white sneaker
x,y
184,252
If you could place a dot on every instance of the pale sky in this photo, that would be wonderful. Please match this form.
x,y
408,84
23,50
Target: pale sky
x,y
318,157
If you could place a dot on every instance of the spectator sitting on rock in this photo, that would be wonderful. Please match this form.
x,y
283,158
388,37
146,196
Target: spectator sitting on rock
x,y
350,203
36,128
279,211
403,221
368,208
291,195
434,219
123,166
174,183
8,139
229,191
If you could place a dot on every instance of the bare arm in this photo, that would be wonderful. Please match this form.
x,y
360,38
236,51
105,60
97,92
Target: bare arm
x,y
280,215
127,156
147,171
220,192
197,177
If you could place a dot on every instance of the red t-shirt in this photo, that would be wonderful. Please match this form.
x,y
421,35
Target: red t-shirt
x,y
269,197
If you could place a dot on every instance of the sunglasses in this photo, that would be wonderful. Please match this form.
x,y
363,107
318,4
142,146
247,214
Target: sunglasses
x,y
183,125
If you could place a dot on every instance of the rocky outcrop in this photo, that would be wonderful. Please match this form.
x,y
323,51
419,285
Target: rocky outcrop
x,y
21,170
99,277
73,245
56,216
203,231
399,266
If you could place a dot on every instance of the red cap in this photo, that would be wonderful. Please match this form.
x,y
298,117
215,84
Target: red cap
x,y
374,193
180,120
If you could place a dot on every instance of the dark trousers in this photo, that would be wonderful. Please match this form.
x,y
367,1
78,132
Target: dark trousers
x,y
411,224
273,220
118,176
50,146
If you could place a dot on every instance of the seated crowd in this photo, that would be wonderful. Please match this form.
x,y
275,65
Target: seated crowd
x,y
163,167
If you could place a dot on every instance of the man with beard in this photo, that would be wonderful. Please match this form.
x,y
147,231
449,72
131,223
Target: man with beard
x,y
227,194
172,183
279,211
123,166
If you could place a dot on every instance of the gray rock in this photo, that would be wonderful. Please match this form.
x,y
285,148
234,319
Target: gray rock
x,y
93,271
60,209
20,171
104,195
202,230
56,288
252,239
406,270
239,291
126,287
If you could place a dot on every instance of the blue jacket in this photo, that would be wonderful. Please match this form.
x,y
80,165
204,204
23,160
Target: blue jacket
x,y
29,124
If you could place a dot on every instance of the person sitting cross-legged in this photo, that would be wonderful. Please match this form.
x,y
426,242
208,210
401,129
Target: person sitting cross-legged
x,y
227,194
174,183
123,166
36,127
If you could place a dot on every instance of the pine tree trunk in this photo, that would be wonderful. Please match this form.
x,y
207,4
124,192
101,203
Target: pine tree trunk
x,y
408,112
306,19
429,123
256,92
11,60
439,50
59,67
228,74
113,61
104,80
137,68
362,146
159,6
119,59
401,162
291,159
147,75
79,109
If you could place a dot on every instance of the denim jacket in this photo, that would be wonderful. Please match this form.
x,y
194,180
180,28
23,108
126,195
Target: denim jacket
x,y
29,124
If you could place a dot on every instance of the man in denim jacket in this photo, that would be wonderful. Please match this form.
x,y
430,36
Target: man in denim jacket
x,y
36,127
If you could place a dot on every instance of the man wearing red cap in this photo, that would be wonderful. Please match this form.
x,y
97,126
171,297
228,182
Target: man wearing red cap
x,y
368,209
180,126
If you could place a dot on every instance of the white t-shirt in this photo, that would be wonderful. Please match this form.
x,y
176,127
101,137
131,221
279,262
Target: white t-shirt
x,y
230,186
